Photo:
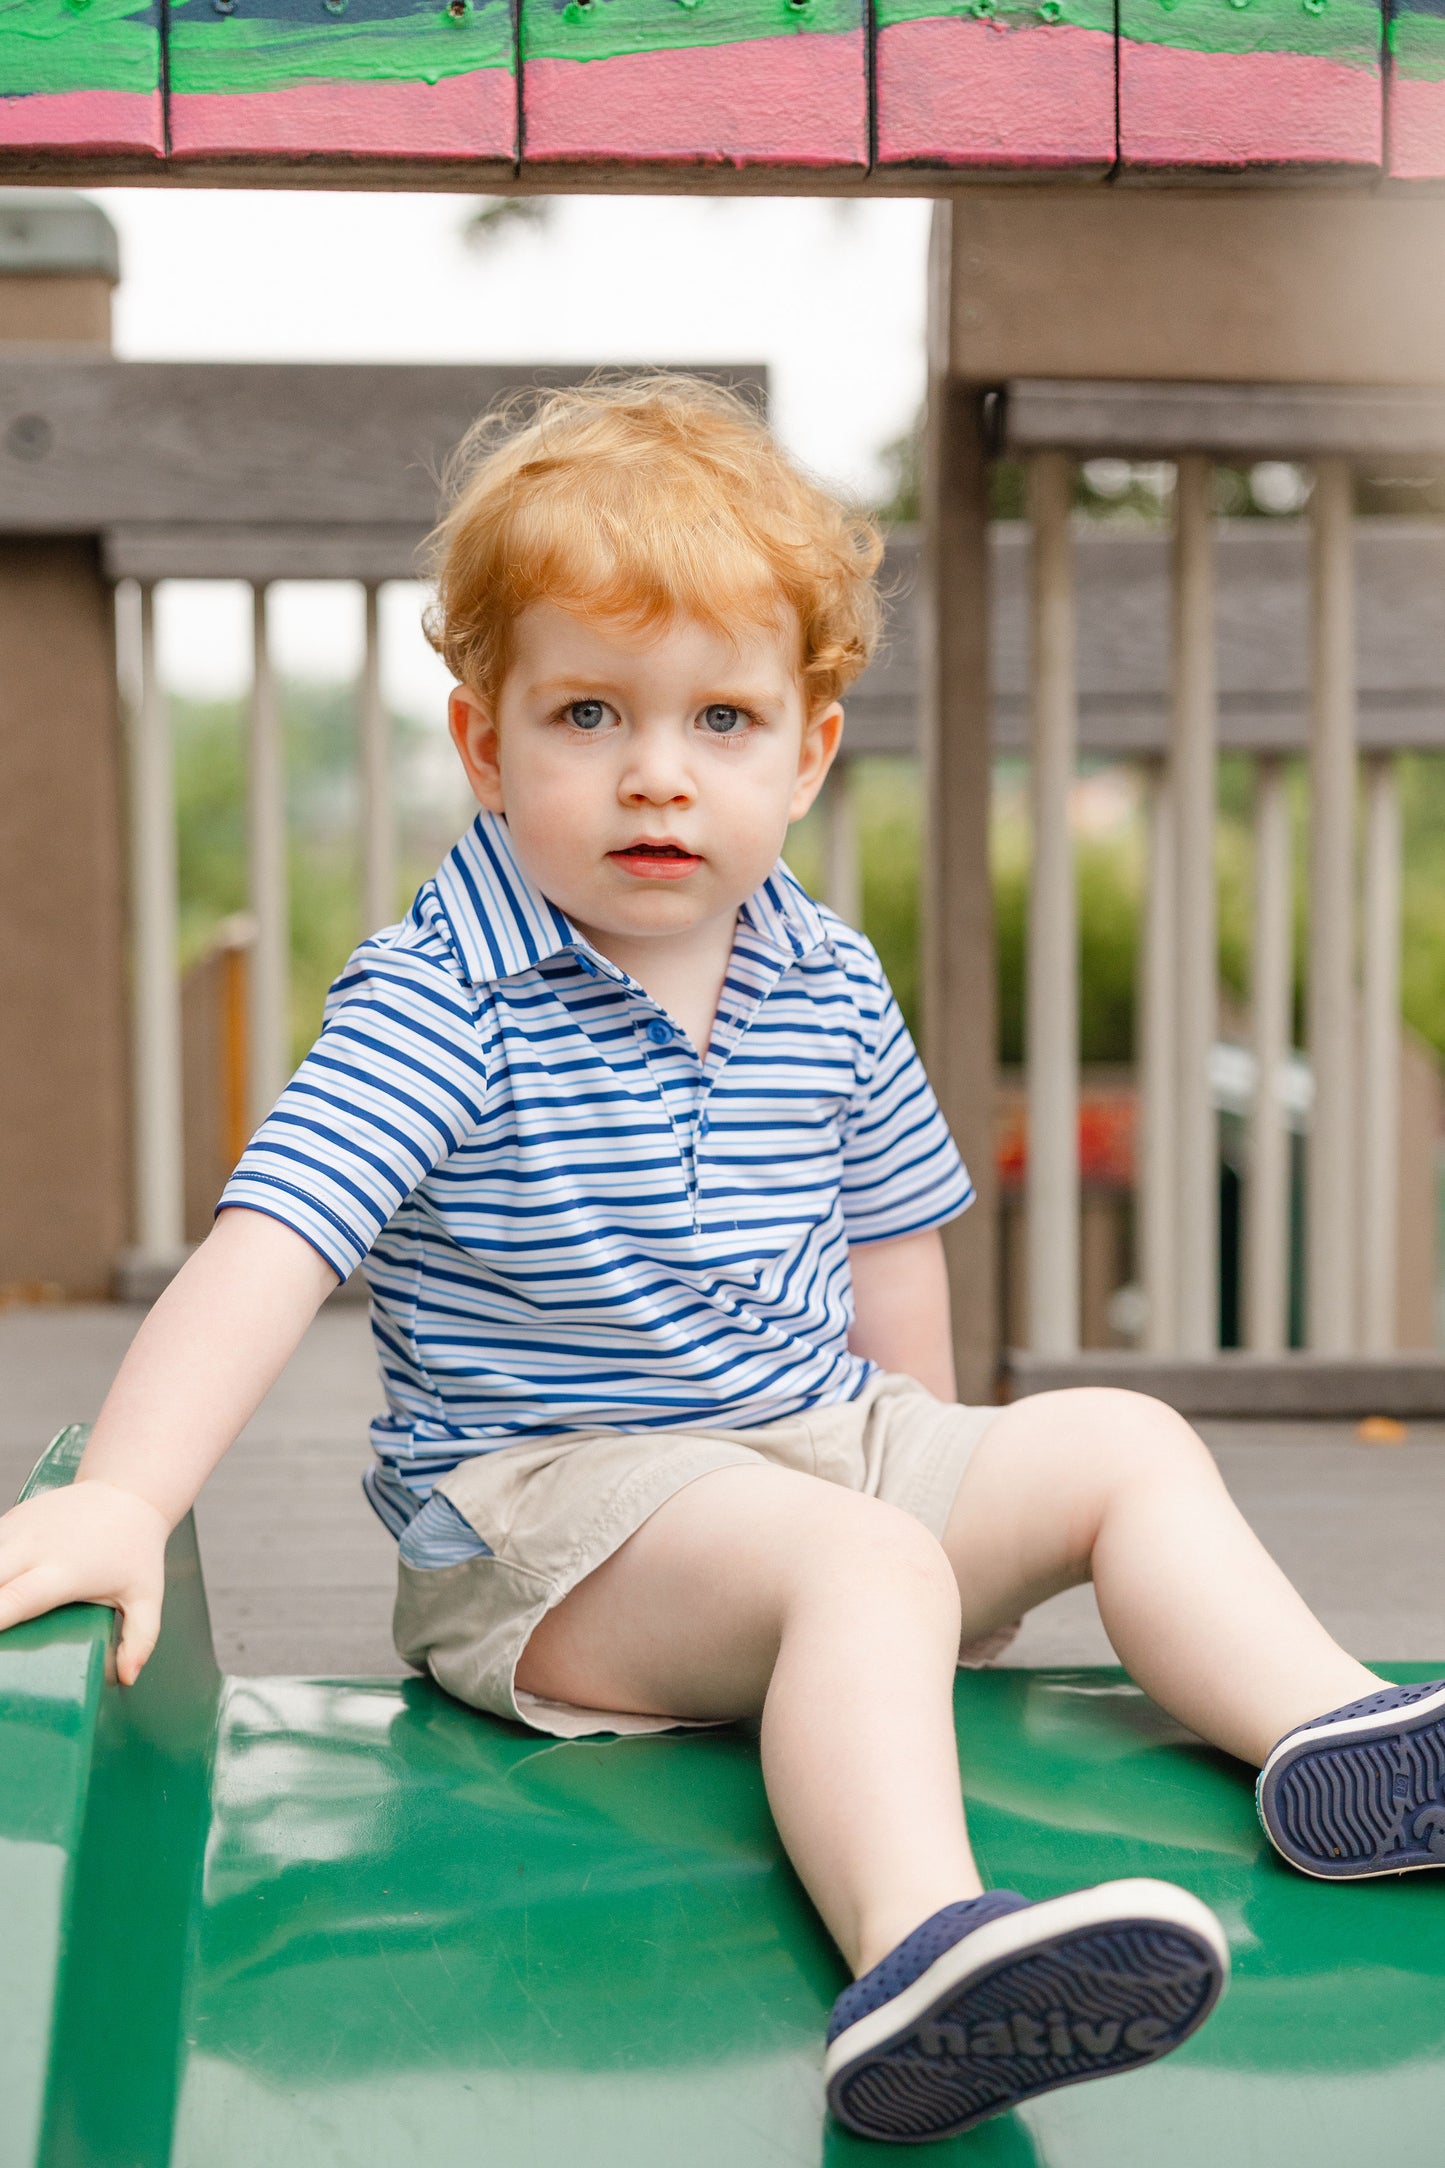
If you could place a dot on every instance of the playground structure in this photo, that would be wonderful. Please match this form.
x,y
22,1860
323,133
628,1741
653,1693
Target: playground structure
x,y
376,1928
132,473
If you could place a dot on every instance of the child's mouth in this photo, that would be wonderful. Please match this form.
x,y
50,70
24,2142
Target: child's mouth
x,y
656,861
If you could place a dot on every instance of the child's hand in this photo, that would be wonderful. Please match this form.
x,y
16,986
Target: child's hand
x,y
90,1543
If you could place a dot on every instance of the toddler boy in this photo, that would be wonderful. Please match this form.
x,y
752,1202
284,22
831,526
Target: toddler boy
x,y
647,1181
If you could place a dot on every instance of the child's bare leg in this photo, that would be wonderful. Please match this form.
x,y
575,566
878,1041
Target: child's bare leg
x,y
1116,1488
836,1617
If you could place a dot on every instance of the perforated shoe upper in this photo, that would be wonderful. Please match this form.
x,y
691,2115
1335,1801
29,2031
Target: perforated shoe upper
x,y
916,1952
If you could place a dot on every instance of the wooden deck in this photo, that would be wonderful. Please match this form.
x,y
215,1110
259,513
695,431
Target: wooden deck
x,y
300,1573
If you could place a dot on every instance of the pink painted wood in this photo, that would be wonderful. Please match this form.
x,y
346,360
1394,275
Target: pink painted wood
x,y
1293,84
471,116
988,92
1417,128
647,83
84,123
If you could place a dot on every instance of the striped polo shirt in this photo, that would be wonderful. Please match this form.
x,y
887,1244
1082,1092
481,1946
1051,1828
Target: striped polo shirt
x,y
569,1218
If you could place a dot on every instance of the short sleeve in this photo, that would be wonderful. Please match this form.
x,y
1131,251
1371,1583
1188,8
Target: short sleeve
x,y
901,1169
396,1080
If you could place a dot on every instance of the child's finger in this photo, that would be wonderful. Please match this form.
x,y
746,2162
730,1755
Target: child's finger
x,y
32,1591
139,1632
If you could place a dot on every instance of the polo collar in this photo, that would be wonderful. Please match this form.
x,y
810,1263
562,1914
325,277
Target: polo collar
x,y
503,925
784,913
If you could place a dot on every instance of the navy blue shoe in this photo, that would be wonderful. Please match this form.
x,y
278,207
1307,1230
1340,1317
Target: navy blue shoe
x,y
1361,1791
996,1999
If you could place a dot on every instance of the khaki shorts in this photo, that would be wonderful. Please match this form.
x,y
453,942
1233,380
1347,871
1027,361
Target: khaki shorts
x,y
555,1508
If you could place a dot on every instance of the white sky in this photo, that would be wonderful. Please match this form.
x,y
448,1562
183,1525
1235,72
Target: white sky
x,y
830,295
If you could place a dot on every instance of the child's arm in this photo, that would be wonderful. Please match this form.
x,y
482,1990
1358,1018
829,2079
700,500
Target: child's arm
x,y
203,1359
900,1302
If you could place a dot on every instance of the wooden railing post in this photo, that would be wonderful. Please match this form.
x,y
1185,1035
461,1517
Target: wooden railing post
x,y
1052,995
956,900
155,969
1334,1140
1379,1194
1266,1251
1192,767
270,1022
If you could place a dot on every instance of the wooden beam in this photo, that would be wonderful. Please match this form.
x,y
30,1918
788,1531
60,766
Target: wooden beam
x,y
360,551
76,81
957,905
407,80
677,84
93,444
1225,286
1287,1387
1269,85
1248,421
1005,85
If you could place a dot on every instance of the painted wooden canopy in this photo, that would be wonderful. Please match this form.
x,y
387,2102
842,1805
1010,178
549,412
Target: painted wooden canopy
x,y
732,93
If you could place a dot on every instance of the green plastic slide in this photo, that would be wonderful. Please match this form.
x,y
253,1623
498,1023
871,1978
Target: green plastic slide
x,y
281,1923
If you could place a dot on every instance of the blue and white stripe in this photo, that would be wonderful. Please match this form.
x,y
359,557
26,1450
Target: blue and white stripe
x,y
569,1220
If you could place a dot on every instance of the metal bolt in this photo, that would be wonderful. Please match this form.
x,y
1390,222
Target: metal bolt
x,y
224,7
29,437
984,9
1051,11
458,10
334,7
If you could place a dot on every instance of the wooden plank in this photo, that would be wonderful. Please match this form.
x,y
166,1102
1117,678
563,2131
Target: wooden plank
x,y
1012,85
91,445
82,81
1285,1387
1416,93
1224,285
686,83
1250,84
412,80
157,551
1261,421
957,899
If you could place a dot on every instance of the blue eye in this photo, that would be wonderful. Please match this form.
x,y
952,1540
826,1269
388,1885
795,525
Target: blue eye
x,y
724,722
587,714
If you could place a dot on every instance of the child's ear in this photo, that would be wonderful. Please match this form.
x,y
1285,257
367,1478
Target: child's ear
x,y
821,735
474,734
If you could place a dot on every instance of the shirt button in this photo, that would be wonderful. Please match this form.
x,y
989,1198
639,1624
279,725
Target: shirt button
x,y
658,1032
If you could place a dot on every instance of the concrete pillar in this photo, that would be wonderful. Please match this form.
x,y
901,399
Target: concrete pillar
x,y
64,1087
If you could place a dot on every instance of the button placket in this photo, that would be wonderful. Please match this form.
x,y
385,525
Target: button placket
x,y
665,1045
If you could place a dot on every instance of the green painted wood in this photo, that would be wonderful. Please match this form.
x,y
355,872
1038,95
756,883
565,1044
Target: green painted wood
x,y
81,75
1417,91
422,1935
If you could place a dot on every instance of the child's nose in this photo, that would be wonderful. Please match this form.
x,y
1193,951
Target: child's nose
x,y
657,773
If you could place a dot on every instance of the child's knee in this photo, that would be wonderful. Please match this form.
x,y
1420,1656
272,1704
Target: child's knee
x,y
1133,1438
873,1553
